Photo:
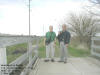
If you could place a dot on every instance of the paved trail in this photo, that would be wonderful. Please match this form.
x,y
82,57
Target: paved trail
x,y
75,66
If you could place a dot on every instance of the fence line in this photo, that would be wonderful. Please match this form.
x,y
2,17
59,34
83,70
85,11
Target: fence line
x,y
95,47
13,40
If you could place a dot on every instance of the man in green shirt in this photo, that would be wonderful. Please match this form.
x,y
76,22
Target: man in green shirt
x,y
50,43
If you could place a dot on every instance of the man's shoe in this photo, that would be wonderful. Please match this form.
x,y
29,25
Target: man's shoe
x,y
52,60
46,60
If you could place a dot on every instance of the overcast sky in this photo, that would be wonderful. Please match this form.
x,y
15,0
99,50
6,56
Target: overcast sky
x,y
14,15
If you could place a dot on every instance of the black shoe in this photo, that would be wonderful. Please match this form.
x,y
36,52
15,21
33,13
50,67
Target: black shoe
x,y
52,60
46,60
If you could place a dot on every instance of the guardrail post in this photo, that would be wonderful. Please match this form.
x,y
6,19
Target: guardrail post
x,y
30,51
3,59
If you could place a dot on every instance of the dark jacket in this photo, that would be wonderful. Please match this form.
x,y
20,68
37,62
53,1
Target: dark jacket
x,y
65,36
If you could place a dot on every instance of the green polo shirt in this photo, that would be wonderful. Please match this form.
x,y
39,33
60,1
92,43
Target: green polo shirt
x,y
52,35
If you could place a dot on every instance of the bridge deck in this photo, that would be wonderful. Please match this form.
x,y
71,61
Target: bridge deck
x,y
75,66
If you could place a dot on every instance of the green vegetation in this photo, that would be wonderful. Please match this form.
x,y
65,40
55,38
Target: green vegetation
x,y
15,51
74,50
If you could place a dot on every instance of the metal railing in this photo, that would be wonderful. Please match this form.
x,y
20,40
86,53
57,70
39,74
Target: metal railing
x,y
95,49
13,40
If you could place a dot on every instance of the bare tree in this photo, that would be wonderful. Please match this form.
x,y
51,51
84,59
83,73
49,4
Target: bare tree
x,y
97,2
83,26
94,7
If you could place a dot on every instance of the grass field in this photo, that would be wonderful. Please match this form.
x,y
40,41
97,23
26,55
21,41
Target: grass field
x,y
72,50
13,52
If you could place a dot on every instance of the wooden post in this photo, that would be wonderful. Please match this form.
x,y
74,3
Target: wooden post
x,y
3,58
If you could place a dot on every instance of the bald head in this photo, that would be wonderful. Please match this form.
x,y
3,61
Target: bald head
x,y
64,27
51,28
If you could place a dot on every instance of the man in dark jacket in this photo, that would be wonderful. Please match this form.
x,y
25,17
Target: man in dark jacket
x,y
64,42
